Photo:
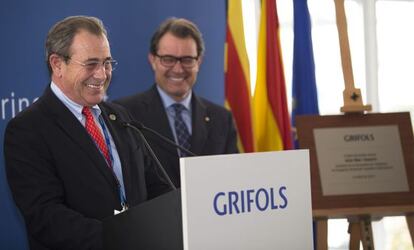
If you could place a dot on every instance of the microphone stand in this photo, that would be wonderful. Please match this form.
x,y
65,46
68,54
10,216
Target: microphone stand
x,y
172,143
157,162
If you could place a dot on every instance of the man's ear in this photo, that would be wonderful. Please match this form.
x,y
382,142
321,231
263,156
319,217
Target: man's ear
x,y
200,60
56,62
151,60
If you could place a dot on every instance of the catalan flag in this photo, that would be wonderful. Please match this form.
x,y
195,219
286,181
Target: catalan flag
x,y
271,119
237,77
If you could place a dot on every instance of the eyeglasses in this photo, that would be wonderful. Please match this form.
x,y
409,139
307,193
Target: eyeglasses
x,y
170,61
93,65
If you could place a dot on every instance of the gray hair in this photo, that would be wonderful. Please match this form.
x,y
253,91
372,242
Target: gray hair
x,y
60,36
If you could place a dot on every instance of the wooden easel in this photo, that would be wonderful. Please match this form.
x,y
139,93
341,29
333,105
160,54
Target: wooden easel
x,y
352,96
360,227
360,230
410,223
322,234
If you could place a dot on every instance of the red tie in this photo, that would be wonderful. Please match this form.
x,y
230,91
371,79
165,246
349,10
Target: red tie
x,y
96,134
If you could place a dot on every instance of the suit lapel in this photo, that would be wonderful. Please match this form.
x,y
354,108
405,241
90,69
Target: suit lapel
x,y
77,133
200,119
157,115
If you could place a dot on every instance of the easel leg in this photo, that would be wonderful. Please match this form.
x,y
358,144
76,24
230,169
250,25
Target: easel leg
x,y
366,234
322,234
360,230
410,223
354,235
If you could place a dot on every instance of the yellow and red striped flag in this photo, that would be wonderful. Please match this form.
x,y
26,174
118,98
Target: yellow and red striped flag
x,y
271,119
237,75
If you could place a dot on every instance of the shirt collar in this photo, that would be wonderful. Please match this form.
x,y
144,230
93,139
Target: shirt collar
x,y
75,108
168,101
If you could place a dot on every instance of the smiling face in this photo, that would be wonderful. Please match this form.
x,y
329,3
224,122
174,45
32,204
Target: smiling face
x,y
176,81
79,83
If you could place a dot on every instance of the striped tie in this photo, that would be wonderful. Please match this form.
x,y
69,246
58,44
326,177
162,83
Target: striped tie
x,y
181,130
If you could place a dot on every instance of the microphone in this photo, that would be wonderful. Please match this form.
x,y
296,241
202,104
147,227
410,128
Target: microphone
x,y
141,126
154,157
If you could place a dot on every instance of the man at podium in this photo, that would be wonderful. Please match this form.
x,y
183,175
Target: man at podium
x,y
70,162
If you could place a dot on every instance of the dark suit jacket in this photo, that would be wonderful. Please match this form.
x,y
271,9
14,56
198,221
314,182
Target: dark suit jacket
x,y
59,179
213,130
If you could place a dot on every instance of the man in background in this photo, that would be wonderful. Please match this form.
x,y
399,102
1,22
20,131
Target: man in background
x,y
172,108
69,161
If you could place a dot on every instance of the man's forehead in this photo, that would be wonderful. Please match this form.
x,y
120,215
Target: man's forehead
x,y
171,43
86,42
